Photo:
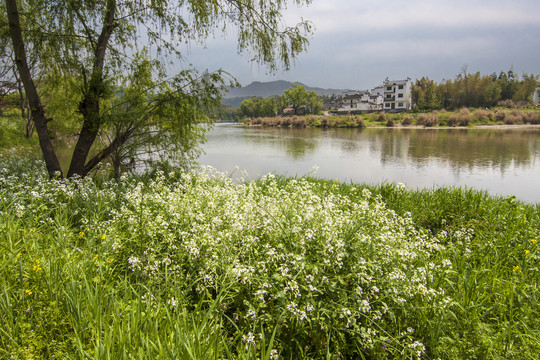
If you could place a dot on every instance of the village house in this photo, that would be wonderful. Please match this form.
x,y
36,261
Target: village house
x,y
359,102
397,95
363,101
536,96
392,96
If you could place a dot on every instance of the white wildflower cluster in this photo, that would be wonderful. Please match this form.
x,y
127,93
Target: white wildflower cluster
x,y
284,247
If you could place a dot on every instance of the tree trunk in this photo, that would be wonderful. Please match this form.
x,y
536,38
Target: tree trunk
x,y
90,104
34,101
26,115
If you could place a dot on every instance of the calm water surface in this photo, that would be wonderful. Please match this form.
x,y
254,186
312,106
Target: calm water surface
x,y
501,161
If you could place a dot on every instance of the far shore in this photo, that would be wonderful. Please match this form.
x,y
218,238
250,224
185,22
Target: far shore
x,y
399,126
480,126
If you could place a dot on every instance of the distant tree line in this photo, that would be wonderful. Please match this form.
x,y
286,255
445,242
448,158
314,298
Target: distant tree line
x,y
473,90
296,98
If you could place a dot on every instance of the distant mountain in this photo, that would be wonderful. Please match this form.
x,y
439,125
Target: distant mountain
x,y
271,88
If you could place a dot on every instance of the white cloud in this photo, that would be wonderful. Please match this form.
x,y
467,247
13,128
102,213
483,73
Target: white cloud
x,y
413,49
357,43
352,15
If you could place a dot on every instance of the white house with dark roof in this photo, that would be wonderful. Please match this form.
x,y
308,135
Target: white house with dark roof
x,y
536,96
392,96
359,101
397,95
362,101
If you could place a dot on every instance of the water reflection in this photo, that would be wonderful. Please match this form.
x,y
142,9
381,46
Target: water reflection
x,y
501,161
475,147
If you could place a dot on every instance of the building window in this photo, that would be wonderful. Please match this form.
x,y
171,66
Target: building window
x,y
399,95
400,104
386,105
388,88
400,87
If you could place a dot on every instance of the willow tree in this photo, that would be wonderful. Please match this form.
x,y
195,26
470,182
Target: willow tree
x,y
125,95
298,97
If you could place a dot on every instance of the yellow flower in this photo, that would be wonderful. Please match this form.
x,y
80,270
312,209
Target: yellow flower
x,y
533,241
110,261
95,257
37,267
28,292
19,255
33,230
527,252
516,269
81,234
103,237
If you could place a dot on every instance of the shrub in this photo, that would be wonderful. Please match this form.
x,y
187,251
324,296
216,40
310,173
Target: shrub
x,y
464,117
532,118
390,122
298,122
443,116
483,115
506,103
381,117
267,121
453,120
427,120
286,121
407,120
523,104
516,117
464,121
500,115
360,122
312,120
512,119
324,121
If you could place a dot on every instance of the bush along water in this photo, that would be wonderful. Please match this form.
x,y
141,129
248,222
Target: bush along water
x,y
462,118
196,265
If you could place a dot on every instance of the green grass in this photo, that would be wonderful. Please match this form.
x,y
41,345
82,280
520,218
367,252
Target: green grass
x,y
195,265
12,130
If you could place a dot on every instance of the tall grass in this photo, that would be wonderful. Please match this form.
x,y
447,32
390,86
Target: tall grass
x,y
462,117
12,130
340,121
195,265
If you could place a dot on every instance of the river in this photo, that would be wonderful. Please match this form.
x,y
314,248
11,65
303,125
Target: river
x,y
501,161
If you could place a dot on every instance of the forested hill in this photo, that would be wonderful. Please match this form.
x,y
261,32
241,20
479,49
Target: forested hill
x,y
267,89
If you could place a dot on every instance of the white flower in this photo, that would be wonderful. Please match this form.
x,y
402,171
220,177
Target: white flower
x,y
365,307
249,338
250,314
274,355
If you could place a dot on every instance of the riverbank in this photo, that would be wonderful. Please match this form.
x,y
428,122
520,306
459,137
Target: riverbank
x,y
199,265
461,118
477,126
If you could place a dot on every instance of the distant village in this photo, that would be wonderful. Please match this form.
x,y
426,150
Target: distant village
x,y
392,96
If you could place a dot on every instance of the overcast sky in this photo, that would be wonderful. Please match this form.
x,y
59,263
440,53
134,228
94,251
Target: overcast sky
x,y
358,43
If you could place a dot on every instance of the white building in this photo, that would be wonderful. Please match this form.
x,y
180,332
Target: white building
x,y
536,96
392,96
362,101
397,95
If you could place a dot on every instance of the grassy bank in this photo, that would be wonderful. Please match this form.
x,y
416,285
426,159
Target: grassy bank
x,y
188,265
12,131
463,117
